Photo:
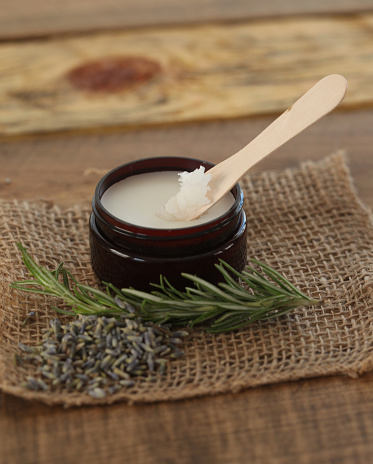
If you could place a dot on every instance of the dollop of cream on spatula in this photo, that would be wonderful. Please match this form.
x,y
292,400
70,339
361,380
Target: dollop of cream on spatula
x,y
191,197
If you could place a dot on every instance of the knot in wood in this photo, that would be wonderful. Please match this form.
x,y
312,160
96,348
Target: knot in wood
x,y
113,74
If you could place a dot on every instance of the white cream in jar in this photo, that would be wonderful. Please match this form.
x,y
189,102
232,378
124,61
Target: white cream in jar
x,y
140,200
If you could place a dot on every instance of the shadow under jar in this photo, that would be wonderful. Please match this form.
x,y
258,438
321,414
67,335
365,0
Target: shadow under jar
x,y
130,255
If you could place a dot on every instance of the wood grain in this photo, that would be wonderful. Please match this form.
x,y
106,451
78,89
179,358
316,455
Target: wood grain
x,y
65,170
208,72
42,17
315,421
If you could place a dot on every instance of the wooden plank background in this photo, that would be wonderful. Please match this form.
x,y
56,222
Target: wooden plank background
x,y
65,169
322,421
207,72
20,18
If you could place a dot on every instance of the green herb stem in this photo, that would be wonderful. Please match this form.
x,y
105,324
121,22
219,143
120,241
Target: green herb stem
x,y
227,306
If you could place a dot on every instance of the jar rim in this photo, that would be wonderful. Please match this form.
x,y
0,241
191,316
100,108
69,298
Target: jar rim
x,y
137,167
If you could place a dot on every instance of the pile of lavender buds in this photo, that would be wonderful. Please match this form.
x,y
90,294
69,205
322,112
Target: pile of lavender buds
x,y
100,355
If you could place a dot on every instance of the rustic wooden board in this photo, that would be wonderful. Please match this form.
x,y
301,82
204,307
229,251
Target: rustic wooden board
x,y
316,421
206,72
21,18
65,169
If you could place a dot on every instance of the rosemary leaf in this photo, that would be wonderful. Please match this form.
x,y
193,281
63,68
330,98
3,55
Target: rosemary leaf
x,y
220,308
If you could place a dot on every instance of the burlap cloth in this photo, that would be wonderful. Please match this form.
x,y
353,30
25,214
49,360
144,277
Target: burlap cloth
x,y
307,223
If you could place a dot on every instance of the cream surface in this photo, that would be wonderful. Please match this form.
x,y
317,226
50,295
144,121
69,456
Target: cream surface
x,y
140,198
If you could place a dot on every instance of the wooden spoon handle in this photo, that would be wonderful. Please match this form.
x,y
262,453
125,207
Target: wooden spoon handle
x,y
318,101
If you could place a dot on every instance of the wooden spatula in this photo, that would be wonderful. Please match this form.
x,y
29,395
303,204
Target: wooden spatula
x,y
317,102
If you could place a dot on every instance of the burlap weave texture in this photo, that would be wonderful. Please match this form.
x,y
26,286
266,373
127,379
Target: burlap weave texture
x,y
307,223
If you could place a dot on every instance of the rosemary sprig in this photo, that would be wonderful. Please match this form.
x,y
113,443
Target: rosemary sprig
x,y
227,306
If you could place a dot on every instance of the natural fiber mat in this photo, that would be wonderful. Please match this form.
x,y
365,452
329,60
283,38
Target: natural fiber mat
x,y
306,223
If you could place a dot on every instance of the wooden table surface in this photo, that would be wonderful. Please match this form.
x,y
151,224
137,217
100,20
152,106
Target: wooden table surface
x,y
56,140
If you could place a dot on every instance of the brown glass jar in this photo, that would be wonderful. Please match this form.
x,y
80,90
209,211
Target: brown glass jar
x,y
129,255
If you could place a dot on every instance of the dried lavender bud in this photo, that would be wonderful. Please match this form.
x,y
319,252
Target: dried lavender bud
x,y
29,316
99,355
